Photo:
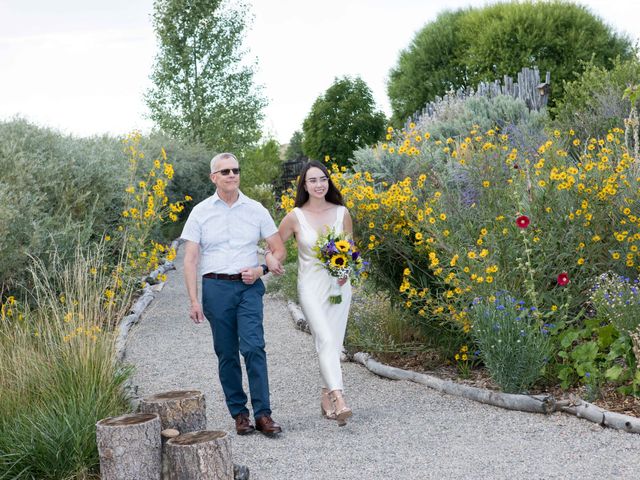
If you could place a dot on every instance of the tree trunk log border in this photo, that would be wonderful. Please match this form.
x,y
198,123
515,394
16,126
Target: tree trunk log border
x,y
127,322
140,305
129,446
526,403
298,317
202,455
183,410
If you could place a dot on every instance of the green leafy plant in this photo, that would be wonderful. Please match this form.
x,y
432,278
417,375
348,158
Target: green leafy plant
x,y
514,344
593,354
616,299
377,326
465,361
595,101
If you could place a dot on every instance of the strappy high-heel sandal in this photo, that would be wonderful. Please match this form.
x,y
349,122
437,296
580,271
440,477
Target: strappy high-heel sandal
x,y
329,414
342,413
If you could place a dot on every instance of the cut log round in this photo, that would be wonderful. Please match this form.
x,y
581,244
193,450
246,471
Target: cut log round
x,y
183,410
129,447
202,455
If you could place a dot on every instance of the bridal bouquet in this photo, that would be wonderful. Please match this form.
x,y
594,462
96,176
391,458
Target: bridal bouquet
x,y
338,254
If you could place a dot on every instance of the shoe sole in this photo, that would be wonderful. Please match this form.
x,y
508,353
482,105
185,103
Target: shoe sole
x,y
342,418
248,432
270,434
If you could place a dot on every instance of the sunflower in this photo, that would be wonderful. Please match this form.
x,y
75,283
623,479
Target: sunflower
x,y
343,246
339,260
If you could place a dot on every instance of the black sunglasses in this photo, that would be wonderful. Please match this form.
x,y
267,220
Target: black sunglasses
x,y
227,171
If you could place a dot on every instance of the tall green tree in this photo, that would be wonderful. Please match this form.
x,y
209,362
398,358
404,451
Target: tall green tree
x,y
428,68
261,164
261,167
342,120
202,90
484,44
294,149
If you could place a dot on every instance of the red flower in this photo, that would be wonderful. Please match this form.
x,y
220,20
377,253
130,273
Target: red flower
x,y
522,221
563,279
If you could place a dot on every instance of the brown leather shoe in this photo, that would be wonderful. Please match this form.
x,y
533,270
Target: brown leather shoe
x,y
243,424
267,426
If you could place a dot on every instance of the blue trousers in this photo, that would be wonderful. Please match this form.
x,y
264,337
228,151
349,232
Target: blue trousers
x,y
234,311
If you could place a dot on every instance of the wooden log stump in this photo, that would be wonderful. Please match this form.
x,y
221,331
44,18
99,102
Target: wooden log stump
x,y
183,410
199,455
167,435
129,447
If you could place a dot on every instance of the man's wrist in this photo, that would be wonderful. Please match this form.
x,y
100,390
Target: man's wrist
x,y
263,269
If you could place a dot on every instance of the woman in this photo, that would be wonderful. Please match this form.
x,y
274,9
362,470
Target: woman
x,y
318,207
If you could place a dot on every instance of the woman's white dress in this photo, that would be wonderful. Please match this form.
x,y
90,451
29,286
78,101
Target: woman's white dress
x,y
327,321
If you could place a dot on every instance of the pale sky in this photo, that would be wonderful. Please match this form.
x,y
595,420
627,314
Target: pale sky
x,y
82,66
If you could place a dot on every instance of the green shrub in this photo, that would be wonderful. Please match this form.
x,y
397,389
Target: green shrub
x,y
514,344
593,103
260,164
616,299
454,117
377,326
57,192
60,191
541,222
191,162
463,47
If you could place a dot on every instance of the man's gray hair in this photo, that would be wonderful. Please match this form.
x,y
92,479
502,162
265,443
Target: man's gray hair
x,y
222,156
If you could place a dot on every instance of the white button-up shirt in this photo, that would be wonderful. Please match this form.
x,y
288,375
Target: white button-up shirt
x,y
228,235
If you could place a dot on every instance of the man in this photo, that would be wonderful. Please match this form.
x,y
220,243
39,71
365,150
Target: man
x,y
221,235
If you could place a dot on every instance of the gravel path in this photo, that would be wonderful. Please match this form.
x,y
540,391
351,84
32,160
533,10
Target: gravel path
x,y
400,430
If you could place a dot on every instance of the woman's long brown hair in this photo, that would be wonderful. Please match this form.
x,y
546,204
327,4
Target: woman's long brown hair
x,y
302,196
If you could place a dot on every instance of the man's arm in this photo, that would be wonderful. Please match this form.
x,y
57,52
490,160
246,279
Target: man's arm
x,y
191,258
276,254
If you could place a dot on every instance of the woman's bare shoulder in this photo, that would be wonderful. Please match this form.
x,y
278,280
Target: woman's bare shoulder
x,y
290,219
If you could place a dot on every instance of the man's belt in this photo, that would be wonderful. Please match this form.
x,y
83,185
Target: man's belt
x,y
223,276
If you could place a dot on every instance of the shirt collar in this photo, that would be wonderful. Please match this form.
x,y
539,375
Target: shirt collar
x,y
242,198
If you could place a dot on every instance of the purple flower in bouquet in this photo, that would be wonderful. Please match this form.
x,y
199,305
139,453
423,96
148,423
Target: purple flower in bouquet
x,y
337,253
